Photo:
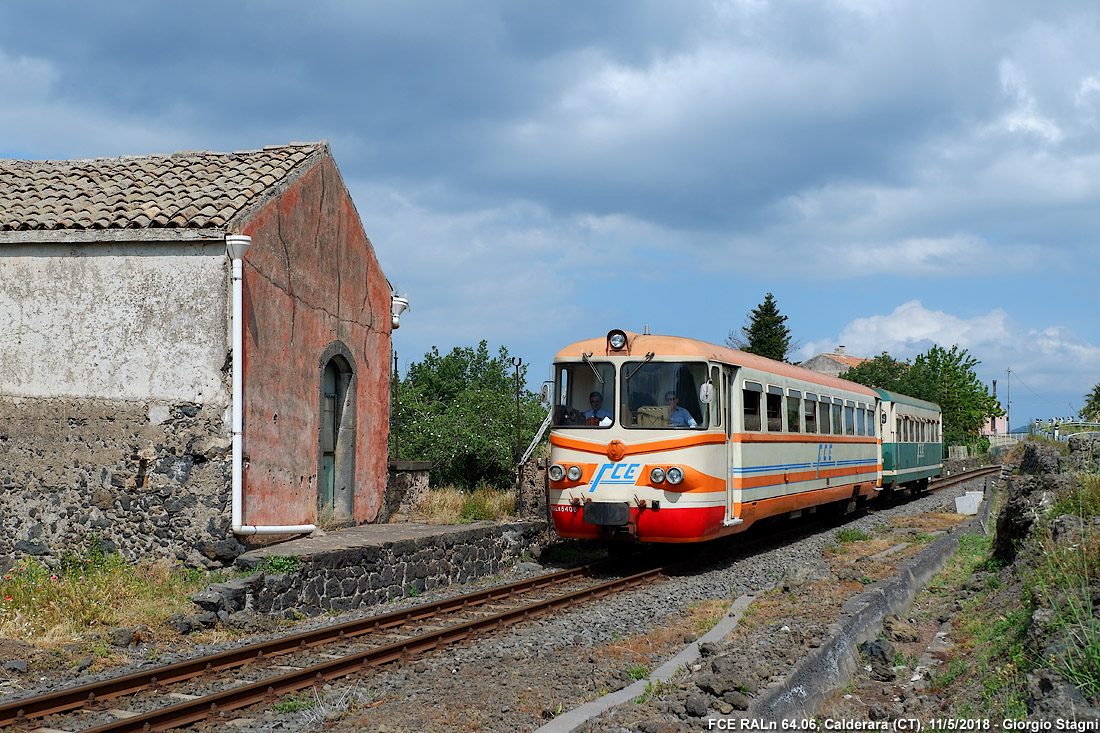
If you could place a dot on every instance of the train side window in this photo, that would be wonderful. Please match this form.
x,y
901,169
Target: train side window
x,y
716,403
823,422
850,418
838,424
810,412
794,410
872,423
897,438
750,398
775,409
860,419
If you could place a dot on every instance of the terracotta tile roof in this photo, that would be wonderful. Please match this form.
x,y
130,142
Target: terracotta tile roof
x,y
848,361
187,190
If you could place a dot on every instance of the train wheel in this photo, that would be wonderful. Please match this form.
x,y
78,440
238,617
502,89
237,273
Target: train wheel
x,y
918,487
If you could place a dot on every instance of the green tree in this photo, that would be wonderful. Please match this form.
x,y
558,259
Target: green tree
x,y
459,411
884,372
1091,410
943,376
765,333
947,377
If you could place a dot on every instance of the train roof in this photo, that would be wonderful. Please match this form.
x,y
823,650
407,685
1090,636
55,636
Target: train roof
x,y
638,345
906,399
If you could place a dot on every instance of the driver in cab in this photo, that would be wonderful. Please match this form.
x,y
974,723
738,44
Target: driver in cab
x,y
678,417
598,415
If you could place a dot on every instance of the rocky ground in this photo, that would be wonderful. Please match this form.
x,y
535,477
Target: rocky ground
x,y
526,677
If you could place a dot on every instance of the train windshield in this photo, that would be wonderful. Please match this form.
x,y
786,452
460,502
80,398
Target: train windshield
x,y
584,394
663,394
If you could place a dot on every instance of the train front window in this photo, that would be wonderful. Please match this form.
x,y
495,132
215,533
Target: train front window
x,y
584,394
659,394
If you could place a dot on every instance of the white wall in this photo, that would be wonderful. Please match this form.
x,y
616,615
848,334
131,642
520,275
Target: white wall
x,y
131,321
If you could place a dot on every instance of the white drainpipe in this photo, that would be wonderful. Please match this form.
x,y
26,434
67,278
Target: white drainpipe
x,y
236,245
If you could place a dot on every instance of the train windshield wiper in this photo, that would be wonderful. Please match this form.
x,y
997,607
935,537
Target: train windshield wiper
x,y
588,361
648,356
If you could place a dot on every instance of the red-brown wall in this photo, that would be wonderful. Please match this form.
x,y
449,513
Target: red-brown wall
x,y
310,278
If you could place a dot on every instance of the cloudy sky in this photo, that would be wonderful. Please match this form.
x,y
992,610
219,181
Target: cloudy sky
x,y
897,174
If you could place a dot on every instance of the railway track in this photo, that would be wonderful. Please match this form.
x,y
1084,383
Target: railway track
x,y
204,689
948,481
158,699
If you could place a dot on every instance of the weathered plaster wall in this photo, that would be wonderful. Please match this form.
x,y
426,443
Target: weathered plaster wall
x,y
148,480
140,321
311,278
114,389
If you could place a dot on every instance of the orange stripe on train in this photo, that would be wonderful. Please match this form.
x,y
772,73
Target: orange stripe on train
x,y
688,441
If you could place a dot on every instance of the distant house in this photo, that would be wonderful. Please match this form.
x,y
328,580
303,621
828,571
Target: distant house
x,y
833,364
116,352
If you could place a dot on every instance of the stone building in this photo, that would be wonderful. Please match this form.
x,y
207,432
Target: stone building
x,y
833,364
116,323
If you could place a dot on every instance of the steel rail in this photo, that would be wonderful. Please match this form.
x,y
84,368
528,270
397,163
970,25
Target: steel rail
x,y
211,706
90,693
947,482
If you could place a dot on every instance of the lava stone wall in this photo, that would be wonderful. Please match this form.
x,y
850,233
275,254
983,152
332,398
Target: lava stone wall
x,y
348,578
146,479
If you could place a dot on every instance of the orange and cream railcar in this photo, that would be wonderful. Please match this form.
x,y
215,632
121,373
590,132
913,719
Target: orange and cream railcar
x,y
667,439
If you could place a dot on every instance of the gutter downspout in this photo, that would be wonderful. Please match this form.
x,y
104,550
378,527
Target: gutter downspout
x,y
236,245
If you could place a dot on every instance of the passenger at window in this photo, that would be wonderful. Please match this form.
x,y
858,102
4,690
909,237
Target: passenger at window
x,y
679,417
598,413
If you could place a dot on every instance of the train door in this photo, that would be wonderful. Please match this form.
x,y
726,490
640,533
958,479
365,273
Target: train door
x,y
728,412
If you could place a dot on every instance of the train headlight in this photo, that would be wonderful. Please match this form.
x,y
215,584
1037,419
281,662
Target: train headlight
x,y
675,474
574,473
557,472
616,339
657,475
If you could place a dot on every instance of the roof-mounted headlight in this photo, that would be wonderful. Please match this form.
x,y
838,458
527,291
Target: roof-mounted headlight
x,y
616,340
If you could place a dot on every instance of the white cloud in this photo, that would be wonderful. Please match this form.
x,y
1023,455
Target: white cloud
x,y
1024,115
35,115
1055,364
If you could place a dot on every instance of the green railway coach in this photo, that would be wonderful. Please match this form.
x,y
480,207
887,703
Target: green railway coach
x,y
912,434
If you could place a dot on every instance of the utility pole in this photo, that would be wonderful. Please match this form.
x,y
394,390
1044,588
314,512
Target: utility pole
x,y
1008,401
993,421
393,413
516,455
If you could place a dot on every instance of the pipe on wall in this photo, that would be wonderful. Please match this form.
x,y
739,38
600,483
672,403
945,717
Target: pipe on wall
x,y
236,245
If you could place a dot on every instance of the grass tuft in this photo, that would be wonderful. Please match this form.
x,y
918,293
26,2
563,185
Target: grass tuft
x,y
449,505
91,591
846,536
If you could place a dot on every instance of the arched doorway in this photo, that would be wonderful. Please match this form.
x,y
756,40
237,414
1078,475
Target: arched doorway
x,y
336,438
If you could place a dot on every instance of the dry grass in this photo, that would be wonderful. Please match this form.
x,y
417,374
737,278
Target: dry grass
x,y
448,505
91,594
927,522
642,651
779,607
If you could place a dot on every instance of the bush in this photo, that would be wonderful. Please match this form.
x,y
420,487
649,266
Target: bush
x,y
459,412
